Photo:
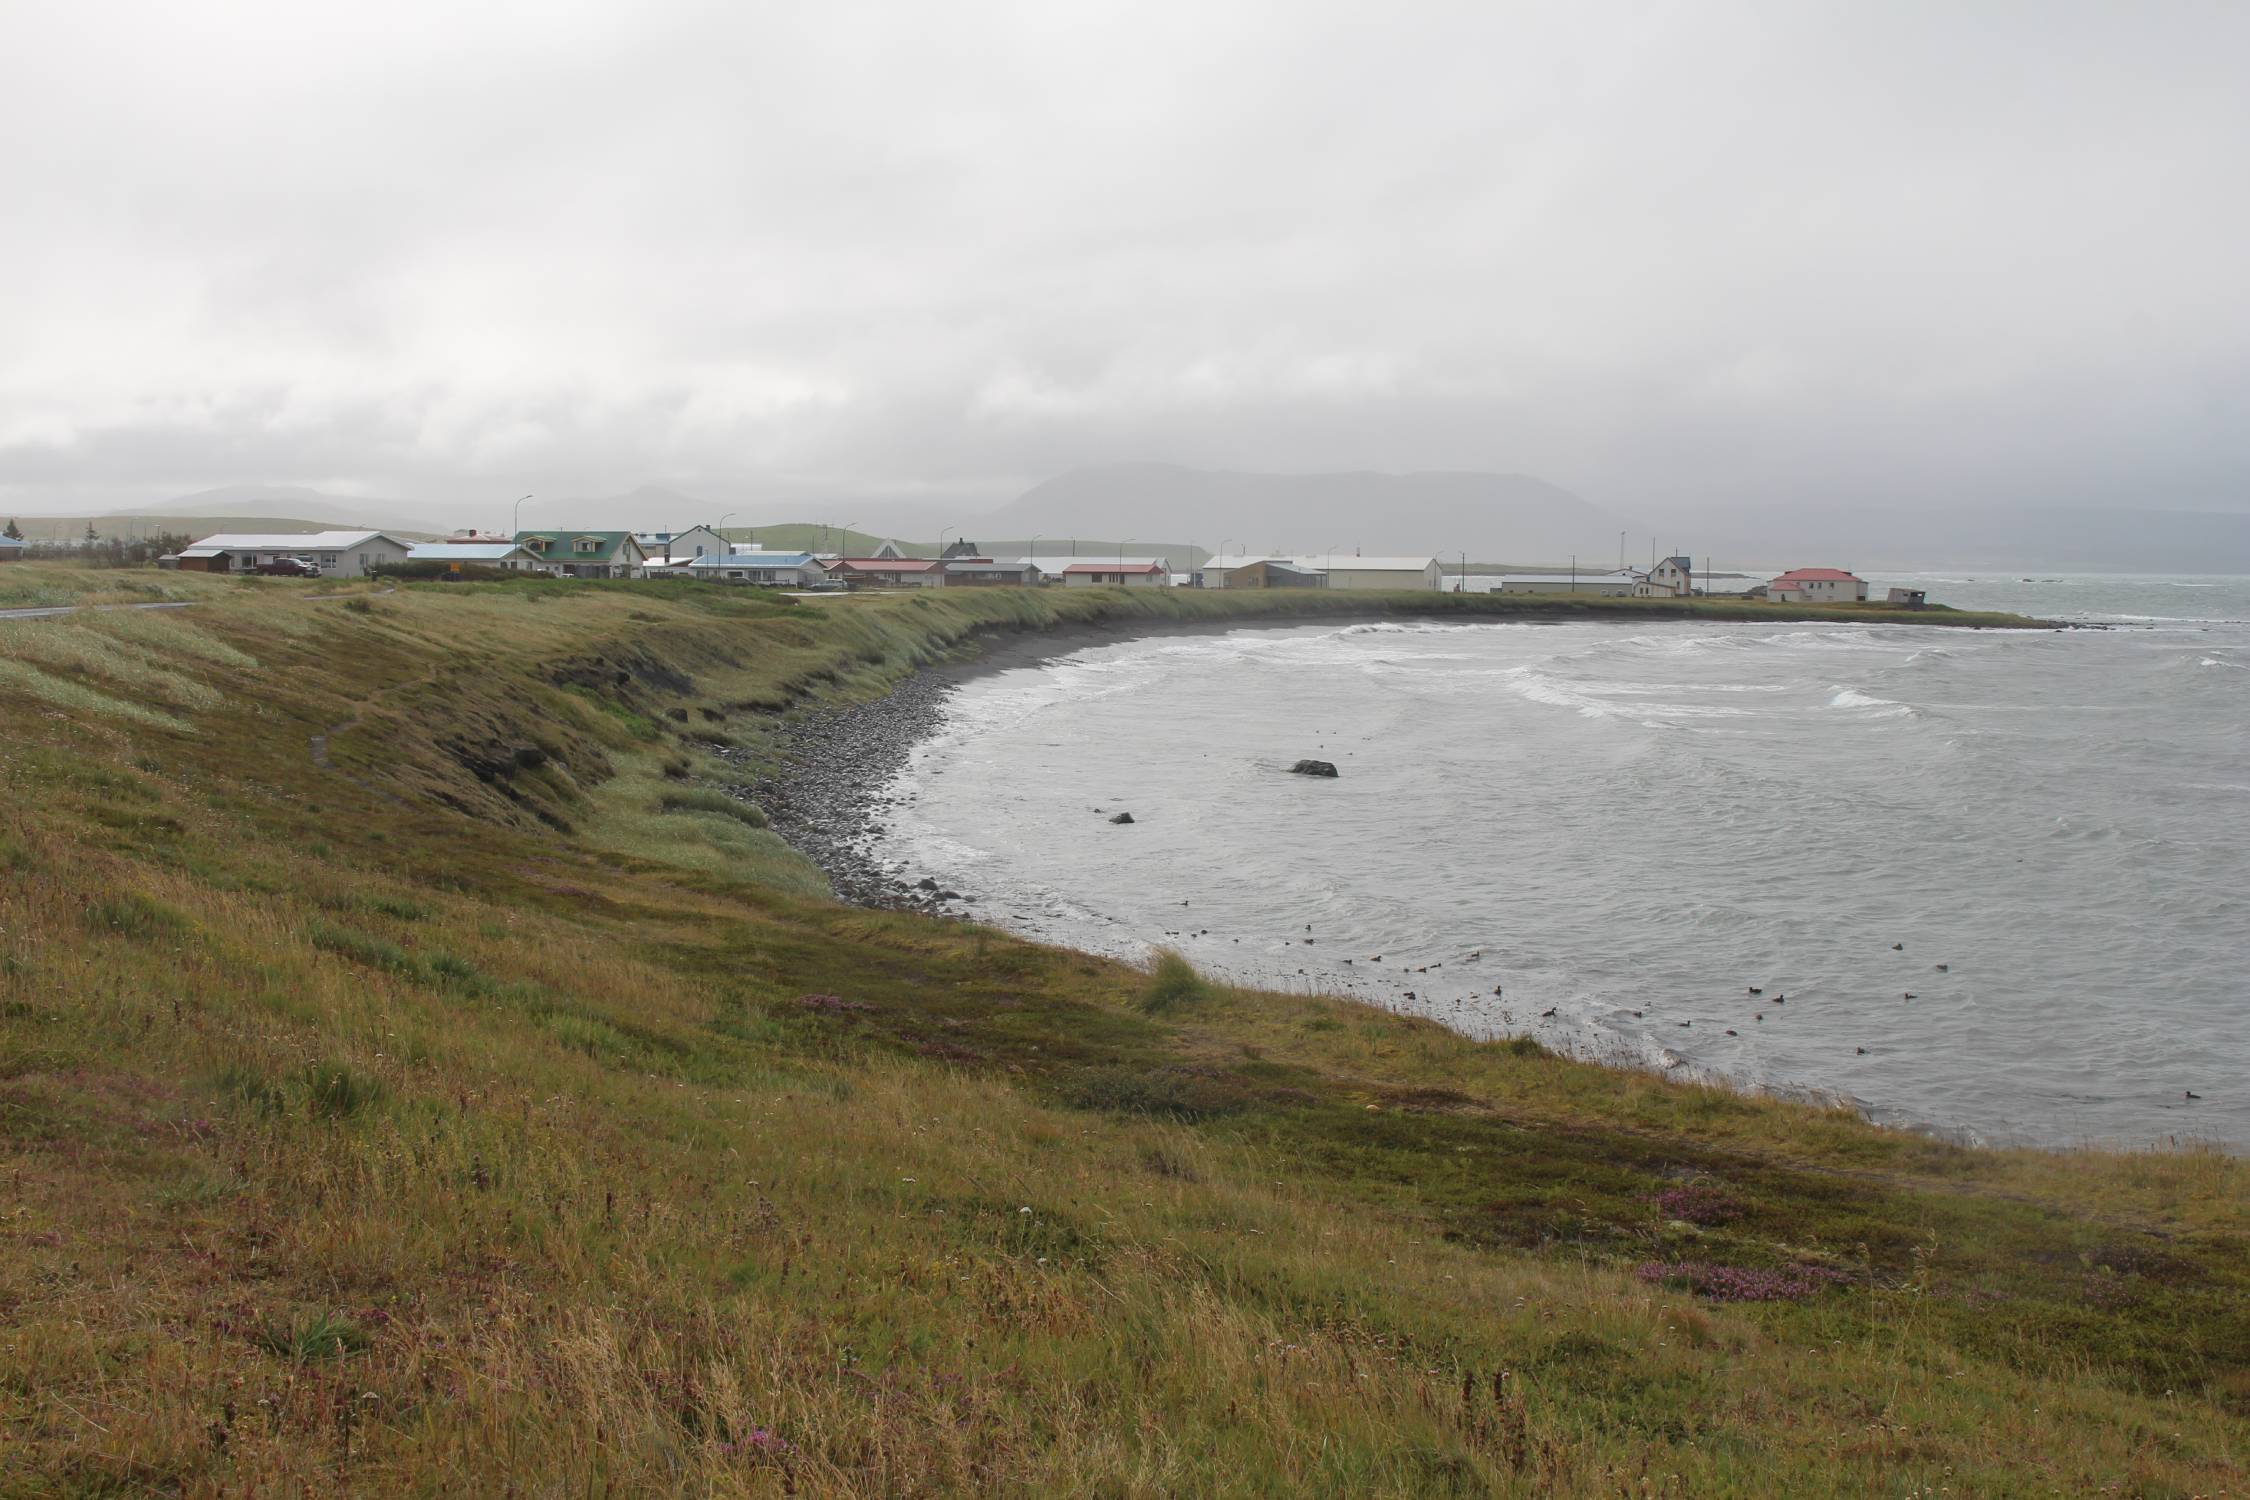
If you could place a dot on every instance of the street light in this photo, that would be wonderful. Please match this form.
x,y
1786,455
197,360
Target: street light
x,y
518,526
942,530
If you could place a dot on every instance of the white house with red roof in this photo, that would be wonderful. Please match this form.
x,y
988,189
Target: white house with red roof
x,y
1817,586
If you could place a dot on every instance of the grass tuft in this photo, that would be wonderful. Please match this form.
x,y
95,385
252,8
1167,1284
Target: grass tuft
x,y
1173,985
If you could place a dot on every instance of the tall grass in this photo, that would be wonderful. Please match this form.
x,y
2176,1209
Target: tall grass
x,y
430,1122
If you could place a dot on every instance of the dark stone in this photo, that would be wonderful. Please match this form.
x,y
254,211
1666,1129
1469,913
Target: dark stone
x,y
925,884
1122,818
1314,768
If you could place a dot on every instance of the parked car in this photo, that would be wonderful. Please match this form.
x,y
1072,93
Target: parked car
x,y
289,567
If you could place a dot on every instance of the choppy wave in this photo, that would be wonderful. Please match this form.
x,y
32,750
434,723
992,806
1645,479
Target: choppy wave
x,y
1631,827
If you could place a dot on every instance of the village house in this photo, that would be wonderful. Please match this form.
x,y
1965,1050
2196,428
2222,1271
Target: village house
x,y
1132,575
1911,598
502,554
983,572
661,547
1340,570
337,554
1673,578
1267,573
757,567
11,549
1817,586
887,572
585,554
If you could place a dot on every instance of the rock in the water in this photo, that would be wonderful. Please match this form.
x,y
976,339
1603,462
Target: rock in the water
x,y
1314,768
1122,818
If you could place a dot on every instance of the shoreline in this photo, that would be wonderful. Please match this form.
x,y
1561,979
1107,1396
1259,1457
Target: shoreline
x,y
826,798
831,799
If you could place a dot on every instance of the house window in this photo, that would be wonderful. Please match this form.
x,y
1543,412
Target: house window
x,y
328,559
589,544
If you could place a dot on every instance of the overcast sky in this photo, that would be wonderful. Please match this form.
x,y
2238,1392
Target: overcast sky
x,y
1671,256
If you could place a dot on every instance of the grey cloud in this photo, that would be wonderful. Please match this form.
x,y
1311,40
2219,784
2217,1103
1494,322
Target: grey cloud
x,y
1670,257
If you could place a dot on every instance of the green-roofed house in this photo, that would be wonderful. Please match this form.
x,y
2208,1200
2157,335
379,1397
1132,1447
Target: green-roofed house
x,y
584,554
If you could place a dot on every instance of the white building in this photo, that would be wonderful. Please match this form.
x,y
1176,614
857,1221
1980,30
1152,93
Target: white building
x,y
1817,586
1054,565
338,554
1140,575
1673,578
501,554
793,570
1342,570
686,546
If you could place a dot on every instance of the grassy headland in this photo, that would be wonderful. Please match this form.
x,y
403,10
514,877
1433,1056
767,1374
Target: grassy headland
x,y
417,1074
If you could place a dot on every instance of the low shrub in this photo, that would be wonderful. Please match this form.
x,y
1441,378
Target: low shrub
x,y
131,914
336,1092
322,1336
1173,985
712,800
1719,1283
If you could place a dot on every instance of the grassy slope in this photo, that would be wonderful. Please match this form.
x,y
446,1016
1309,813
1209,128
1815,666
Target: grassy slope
x,y
439,1110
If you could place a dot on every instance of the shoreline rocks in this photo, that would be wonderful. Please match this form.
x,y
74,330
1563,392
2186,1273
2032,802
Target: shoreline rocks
x,y
827,799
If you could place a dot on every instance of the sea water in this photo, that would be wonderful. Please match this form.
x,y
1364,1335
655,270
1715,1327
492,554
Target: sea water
x,y
1992,883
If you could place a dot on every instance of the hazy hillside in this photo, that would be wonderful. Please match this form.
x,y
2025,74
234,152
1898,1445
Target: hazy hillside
x,y
242,507
1487,515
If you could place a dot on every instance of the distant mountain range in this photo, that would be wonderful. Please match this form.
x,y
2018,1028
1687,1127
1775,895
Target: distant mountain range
x,y
1485,515
1167,507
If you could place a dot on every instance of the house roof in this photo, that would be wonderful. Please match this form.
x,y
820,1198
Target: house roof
x,y
562,545
1326,562
1115,567
753,560
9,541
285,541
987,565
1345,563
464,552
889,564
1817,575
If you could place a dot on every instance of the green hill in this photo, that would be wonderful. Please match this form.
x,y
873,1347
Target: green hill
x,y
422,1072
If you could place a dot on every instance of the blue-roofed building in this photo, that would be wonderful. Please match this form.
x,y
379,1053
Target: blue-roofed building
x,y
789,570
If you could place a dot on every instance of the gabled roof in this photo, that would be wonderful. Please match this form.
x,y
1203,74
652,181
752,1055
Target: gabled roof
x,y
1115,567
286,541
753,560
1817,575
464,552
562,545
